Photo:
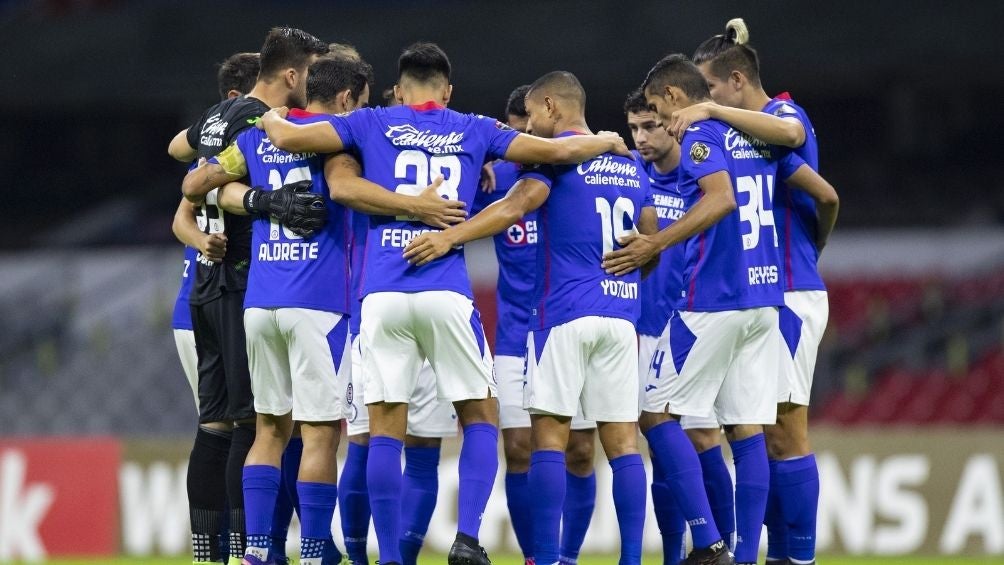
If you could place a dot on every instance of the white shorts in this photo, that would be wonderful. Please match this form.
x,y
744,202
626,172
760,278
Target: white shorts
x,y
184,340
648,345
400,331
509,372
650,360
802,321
721,365
299,361
427,415
592,361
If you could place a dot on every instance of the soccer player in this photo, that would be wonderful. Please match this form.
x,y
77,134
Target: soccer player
x,y
410,314
660,156
724,343
582,345
516,251
226,411
732,69
289,335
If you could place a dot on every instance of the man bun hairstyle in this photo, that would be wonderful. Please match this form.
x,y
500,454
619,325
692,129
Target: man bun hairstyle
x,y
516,104
424,62
730,51
287,47
677,70
238,72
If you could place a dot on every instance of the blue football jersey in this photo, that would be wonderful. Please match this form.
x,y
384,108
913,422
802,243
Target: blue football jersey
x,y
590,206
795,210
516,251
182,317
289,271
360,223
662,285
734,264
403,148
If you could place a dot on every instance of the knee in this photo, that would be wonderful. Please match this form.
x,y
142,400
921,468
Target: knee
x,y
649,420
579,455
517,451
705,439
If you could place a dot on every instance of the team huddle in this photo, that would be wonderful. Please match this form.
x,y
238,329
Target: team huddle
x,y
672,289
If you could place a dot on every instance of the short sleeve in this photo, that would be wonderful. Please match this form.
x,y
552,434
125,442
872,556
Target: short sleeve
x,y
192,135
350,127
788,164
497,135
542,173
702,152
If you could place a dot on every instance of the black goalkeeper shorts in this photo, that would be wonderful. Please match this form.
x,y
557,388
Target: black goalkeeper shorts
x,y
224,378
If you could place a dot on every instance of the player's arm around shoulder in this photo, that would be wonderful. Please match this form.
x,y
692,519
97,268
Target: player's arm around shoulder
x,y
825,196
525,196
316,137
530,149
786,131
228,166
179,148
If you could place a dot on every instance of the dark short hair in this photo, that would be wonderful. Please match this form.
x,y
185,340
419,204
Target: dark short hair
x,y
330,75
729,52
560,84
424,62
677,70
635,102
287,47
237,72
388,97
516,104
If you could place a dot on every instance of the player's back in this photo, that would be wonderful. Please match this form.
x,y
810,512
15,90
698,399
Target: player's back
x,y
311,272
795,210
734,264
590,206
516,251
404,148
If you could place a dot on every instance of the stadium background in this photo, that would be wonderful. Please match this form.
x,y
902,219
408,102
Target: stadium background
x,y
95,416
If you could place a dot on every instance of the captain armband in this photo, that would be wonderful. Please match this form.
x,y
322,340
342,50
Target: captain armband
x,y
232,161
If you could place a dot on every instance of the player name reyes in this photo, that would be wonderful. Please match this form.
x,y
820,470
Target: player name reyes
x,y
762,274
619,289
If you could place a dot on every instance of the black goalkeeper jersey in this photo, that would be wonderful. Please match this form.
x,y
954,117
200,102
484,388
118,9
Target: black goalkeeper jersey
x,y
216,129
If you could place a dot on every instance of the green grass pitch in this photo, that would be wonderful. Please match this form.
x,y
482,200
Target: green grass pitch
x,y
600,560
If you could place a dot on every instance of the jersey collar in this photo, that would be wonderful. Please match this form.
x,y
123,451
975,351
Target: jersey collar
x,y
298,113
570,132
784,96
426,106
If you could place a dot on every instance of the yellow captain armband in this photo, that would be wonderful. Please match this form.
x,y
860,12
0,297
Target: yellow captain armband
x,y
232,161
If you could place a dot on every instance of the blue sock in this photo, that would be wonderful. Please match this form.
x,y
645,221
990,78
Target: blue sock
x,y
718,485
547,483
280,520
261,487
317,506
777,528
354,503
420,489
576,513
517,497
797,486
672,524
479,462
383,477
752,484
629,501
671,446
291,468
